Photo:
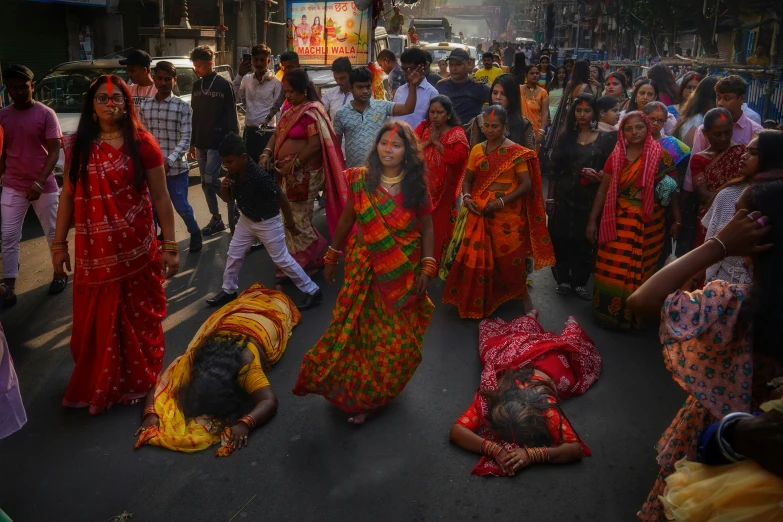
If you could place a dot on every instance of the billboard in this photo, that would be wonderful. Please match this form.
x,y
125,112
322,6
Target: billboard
x,y
320,32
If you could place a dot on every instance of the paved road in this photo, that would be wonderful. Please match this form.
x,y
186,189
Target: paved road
x,y
308,463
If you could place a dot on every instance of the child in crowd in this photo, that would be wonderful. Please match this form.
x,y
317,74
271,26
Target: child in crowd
x,y
608,108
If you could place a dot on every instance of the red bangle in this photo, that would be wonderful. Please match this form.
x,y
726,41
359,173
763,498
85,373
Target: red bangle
x,y
149,410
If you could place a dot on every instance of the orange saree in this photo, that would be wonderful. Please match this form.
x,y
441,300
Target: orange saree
x,y
489,268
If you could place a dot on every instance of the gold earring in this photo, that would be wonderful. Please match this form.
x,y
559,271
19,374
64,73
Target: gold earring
x,y
94,117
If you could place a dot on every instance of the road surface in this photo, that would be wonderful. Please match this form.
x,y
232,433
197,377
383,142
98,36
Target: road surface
x,y
308,463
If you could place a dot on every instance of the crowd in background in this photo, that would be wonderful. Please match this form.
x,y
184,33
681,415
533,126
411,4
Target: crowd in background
x,y
474,175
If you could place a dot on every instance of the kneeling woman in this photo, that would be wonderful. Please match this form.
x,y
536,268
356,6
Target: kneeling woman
x,y
515,419
373,346
200,398
505,225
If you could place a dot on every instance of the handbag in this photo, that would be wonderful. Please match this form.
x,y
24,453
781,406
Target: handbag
x,y
454,243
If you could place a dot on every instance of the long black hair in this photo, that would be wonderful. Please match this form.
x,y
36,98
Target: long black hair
x,y
510,85
700,102
571,130
415,194
212,389
446,103
663,80
633,105
554,83
300,83
518,69
580,75
688,78
770,145
89,129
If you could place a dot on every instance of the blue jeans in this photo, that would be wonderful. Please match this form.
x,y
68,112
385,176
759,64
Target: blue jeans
x,y
209,165
178,191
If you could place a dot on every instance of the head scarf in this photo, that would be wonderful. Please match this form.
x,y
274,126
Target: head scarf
x,y
650,158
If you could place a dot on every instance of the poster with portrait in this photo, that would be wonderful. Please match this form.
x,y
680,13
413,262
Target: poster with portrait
x,y
320,32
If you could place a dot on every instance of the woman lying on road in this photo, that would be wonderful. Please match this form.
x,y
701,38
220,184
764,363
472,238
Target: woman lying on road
x,y
515,419
199,400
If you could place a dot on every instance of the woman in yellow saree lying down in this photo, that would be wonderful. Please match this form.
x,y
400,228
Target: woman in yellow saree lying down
x,y
200,399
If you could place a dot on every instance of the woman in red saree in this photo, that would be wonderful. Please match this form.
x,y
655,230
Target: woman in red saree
x,y
515,419
307,160
114,168
373,345
445,154
505,226
715,166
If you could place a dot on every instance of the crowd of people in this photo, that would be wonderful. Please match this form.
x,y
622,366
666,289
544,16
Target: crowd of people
x,y
665,190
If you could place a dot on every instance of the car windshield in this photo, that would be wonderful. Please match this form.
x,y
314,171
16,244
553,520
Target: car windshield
x,y
439,54
64,90
395,44
431,34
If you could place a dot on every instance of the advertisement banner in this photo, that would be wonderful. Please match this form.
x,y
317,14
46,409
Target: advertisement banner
x,y
320,32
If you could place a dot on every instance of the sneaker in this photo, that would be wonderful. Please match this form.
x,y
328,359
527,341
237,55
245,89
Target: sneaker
x,y
221,298
311,300
257,245
214,226
57,285
195,242
582,292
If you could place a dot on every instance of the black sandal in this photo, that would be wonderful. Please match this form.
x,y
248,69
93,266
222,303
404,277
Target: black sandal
x,y
563,289
582,292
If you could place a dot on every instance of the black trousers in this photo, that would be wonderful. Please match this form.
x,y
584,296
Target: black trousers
x,y
256,141
574,255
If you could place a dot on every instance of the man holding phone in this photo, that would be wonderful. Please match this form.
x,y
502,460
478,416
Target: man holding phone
x,y
258,93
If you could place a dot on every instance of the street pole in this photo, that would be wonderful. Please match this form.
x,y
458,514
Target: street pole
x,y
222,35
253,23
162,22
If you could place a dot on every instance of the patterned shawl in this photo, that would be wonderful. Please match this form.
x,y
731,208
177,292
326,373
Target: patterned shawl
x,y
650,157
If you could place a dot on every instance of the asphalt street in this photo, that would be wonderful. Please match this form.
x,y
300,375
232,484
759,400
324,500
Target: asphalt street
x,y
308,463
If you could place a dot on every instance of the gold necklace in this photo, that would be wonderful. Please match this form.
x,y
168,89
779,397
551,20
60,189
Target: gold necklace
x,y
110,135
394,180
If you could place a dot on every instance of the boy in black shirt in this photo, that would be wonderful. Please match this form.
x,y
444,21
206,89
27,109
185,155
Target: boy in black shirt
x,y
214,116
260,201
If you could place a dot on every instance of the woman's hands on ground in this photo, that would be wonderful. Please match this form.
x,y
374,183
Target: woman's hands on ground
x,y
149,421
239,433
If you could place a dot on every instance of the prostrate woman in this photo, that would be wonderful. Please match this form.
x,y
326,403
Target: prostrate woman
x,y
721,343
715,166
576,165
535,103
199,399
631,201
373,345
114,175
503,93
307,160
505,225
762,155
445,154
515,420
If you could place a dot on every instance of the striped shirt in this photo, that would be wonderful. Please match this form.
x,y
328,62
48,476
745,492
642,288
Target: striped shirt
x,y
171,122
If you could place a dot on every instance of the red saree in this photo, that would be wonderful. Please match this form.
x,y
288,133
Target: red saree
x,y
570,359
118,298
489,268
714,174
444,179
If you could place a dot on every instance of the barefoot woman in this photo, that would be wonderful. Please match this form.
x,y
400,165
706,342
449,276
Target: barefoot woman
x,y
373,346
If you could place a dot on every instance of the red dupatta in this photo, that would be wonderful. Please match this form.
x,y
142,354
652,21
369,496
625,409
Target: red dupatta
x,y
336,185
391,233
115,235
437,168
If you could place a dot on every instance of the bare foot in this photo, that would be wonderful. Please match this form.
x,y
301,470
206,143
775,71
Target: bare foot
x,y
358,418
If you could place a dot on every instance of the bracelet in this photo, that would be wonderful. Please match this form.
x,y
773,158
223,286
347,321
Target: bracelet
x,y
502,203
149,410
467,196
40,187
60,246
248,421
715,238
338,252
332,256
725,448
538,455
266,149
429,267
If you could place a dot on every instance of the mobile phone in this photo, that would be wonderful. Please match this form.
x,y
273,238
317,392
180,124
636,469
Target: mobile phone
x,y
245,57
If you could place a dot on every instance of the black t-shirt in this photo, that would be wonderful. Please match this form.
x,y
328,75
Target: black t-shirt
x,y
214,111
257,195
468,97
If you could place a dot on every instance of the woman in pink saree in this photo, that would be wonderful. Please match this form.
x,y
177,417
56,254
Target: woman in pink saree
x,y
306,161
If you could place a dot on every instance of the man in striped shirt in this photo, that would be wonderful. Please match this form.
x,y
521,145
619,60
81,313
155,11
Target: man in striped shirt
x,y
169,119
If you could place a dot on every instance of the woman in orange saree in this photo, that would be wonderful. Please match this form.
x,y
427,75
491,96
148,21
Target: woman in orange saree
x,y
373,344
505,226
631,202
115,173
445,154
535,103
307,160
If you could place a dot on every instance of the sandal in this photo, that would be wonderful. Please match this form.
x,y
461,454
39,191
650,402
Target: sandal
x,y
564,289
583,294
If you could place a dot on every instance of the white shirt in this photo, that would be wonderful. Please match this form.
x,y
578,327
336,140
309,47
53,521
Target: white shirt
x,y
257,97
333,100
424,94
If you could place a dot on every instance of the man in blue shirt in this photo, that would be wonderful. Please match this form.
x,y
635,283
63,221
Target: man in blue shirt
x,y
413,59
468,96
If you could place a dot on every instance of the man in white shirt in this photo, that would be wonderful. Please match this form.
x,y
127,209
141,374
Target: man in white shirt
x,y
411,60
258,93
137,65
334,98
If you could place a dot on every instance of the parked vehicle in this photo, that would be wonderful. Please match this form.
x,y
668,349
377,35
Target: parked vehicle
x,y
399,43
65,87
432,29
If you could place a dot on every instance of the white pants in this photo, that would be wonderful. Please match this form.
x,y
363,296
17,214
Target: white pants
x,y
270,232
14,207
